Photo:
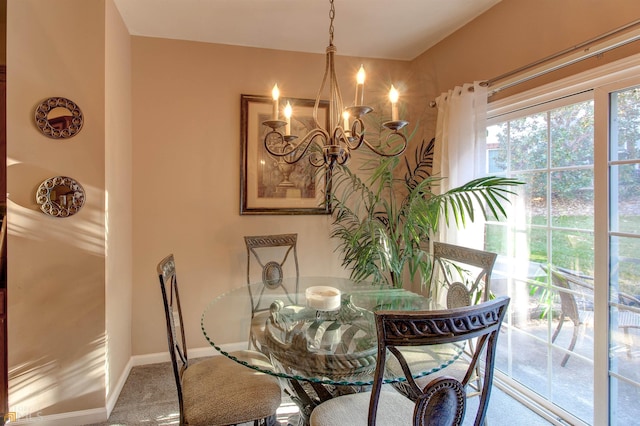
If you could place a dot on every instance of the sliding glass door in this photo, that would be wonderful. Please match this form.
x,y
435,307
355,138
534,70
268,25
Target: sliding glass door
x,y
623,235
570,252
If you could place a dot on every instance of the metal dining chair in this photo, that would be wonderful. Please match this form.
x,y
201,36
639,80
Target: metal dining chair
x,y
217,390
465,274
442,402
270,258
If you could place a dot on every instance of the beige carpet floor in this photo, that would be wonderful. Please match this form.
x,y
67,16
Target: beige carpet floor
x,y
149,398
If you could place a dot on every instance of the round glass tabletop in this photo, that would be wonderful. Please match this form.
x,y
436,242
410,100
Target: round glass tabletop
x,y
317,329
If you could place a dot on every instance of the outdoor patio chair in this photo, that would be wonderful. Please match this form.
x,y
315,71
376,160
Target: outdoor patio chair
x,y
217,390
442,401
576,304
269,259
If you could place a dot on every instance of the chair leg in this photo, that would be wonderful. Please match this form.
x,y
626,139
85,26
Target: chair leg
x,y
558,328
574,338
272,420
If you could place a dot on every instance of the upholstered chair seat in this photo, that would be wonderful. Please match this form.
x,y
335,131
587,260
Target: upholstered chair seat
x,y
393,409
214,388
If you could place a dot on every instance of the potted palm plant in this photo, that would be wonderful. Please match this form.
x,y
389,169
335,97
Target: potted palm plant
x,y
384,222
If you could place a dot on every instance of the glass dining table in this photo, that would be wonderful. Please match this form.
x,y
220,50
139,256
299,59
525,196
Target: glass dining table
x,y
319,333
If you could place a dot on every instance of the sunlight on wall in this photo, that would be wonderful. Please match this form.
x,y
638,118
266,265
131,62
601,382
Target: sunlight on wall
x,y
35,384
56,303
26,220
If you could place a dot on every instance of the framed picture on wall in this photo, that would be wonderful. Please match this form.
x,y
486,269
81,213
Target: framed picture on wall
x,y
268,185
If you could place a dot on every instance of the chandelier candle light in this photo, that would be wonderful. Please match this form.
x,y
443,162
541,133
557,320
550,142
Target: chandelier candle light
x,y
346,129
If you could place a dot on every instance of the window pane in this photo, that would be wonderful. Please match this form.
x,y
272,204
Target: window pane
x,y
625,265
572,135
572,200
625,198
497,148
532,196
528,142
573,250
625,125
623,396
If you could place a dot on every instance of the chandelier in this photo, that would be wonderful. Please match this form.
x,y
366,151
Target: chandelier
x,y
346,132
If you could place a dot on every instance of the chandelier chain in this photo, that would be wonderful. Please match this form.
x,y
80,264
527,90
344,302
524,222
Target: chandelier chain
x,y
332,15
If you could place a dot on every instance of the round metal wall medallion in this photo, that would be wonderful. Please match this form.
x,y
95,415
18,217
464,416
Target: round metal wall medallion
x,y
59,118
60,196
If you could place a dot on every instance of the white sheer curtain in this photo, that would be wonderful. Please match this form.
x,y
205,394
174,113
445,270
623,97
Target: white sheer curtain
x,y
460,151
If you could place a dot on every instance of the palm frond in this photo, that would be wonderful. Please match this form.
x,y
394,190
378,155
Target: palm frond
x,y
423,159
382,222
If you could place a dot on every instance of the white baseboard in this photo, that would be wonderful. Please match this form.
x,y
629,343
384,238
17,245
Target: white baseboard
x,y
193,353
99,415
73,418
113,398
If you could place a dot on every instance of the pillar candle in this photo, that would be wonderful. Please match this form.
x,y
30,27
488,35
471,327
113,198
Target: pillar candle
x,y
275,93
393,97
360,86
288,111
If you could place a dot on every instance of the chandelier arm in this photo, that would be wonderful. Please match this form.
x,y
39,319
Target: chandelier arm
x,y
344,158
337,106
316,160
315,133
281,141
357,133
330,157
316,105
341,139
297,151
386,142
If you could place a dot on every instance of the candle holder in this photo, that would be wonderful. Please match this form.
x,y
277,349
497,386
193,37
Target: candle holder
x,y
395,125
274,124
358,111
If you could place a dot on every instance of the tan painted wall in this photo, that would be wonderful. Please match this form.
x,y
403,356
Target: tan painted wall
x,y
56,267
119,201
515,33
186,156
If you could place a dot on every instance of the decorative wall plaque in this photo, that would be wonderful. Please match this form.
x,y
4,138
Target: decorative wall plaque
x,y
60,196
59,118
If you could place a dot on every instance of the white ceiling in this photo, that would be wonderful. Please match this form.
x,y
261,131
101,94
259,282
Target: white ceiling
x,y
389,29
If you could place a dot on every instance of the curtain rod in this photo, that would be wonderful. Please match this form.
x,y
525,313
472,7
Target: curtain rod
x,y
581,46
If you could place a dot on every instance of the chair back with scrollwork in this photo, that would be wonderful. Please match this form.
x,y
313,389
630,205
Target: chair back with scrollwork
x,y
443,400
465,273
271,258
173,314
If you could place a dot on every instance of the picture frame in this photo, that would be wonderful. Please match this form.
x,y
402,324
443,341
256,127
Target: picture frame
x,y
263,186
